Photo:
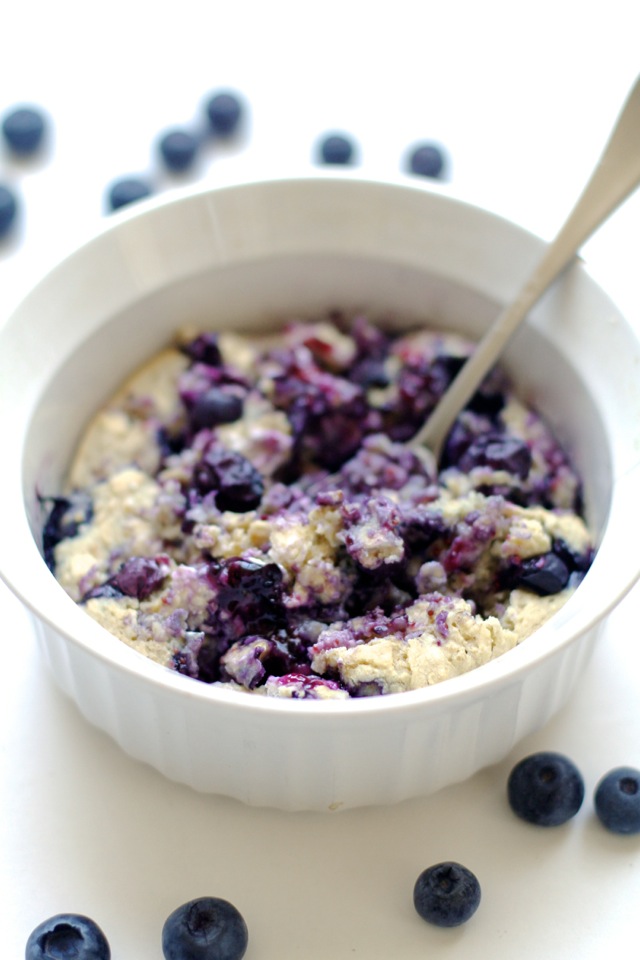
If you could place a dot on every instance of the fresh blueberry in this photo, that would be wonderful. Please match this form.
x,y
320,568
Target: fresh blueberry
x,y
205,929
23,129
336,149
67,936
8,209
216,406
426,160
178,149
545,789
446,894
128,190
617,800
224,111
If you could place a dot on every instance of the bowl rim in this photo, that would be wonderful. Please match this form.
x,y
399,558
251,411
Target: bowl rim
x,y
68,620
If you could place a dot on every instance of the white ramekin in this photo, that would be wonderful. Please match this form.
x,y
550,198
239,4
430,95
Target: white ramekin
x,y
248,256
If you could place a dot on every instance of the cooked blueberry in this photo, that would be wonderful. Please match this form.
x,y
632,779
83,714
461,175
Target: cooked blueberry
x,y
446,894
8,209
67,935
617,800
204,349
23,129
336,149
178,149
224,111
572,558
104,591
251,592
369,372
236,482
126,191
138,577
208,928
327,414
170,442
214,407
249,602
64,518
426,160
544,575
545,789
498,452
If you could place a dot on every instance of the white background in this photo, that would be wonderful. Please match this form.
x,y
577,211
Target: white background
x,y
522,96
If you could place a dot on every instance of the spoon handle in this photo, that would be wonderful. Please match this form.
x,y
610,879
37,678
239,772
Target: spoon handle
x,y
613,180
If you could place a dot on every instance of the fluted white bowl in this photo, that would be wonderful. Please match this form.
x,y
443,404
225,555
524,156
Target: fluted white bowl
x,y
248,256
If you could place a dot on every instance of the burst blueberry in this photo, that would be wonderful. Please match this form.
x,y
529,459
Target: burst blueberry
x,y
207,928
139,577
446,894
545,789
236,482
498,452
8,209
178,149
204,349
127,190
224,111
67,935
23,129
617,800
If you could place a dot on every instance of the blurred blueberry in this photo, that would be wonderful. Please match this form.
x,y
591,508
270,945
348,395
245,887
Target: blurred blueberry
x,y
178,149
224,111
8,209
426,160
128,190
23,129
336,148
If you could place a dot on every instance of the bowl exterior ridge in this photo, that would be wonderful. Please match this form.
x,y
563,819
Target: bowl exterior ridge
x,y
301,766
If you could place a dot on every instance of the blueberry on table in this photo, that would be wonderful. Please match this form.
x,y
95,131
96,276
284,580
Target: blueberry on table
x,y
128,190
67,935
8,209
23,130
178,149
205,929
223,112
545,789
617,800
446,894
336,149
427,160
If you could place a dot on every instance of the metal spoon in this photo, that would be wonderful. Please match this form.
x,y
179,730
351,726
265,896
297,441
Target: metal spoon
x,y
615,177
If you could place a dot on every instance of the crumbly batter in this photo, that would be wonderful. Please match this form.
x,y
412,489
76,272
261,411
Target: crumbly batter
x,y
247,511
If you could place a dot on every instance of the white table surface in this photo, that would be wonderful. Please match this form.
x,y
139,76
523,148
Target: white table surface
x,y
522,96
